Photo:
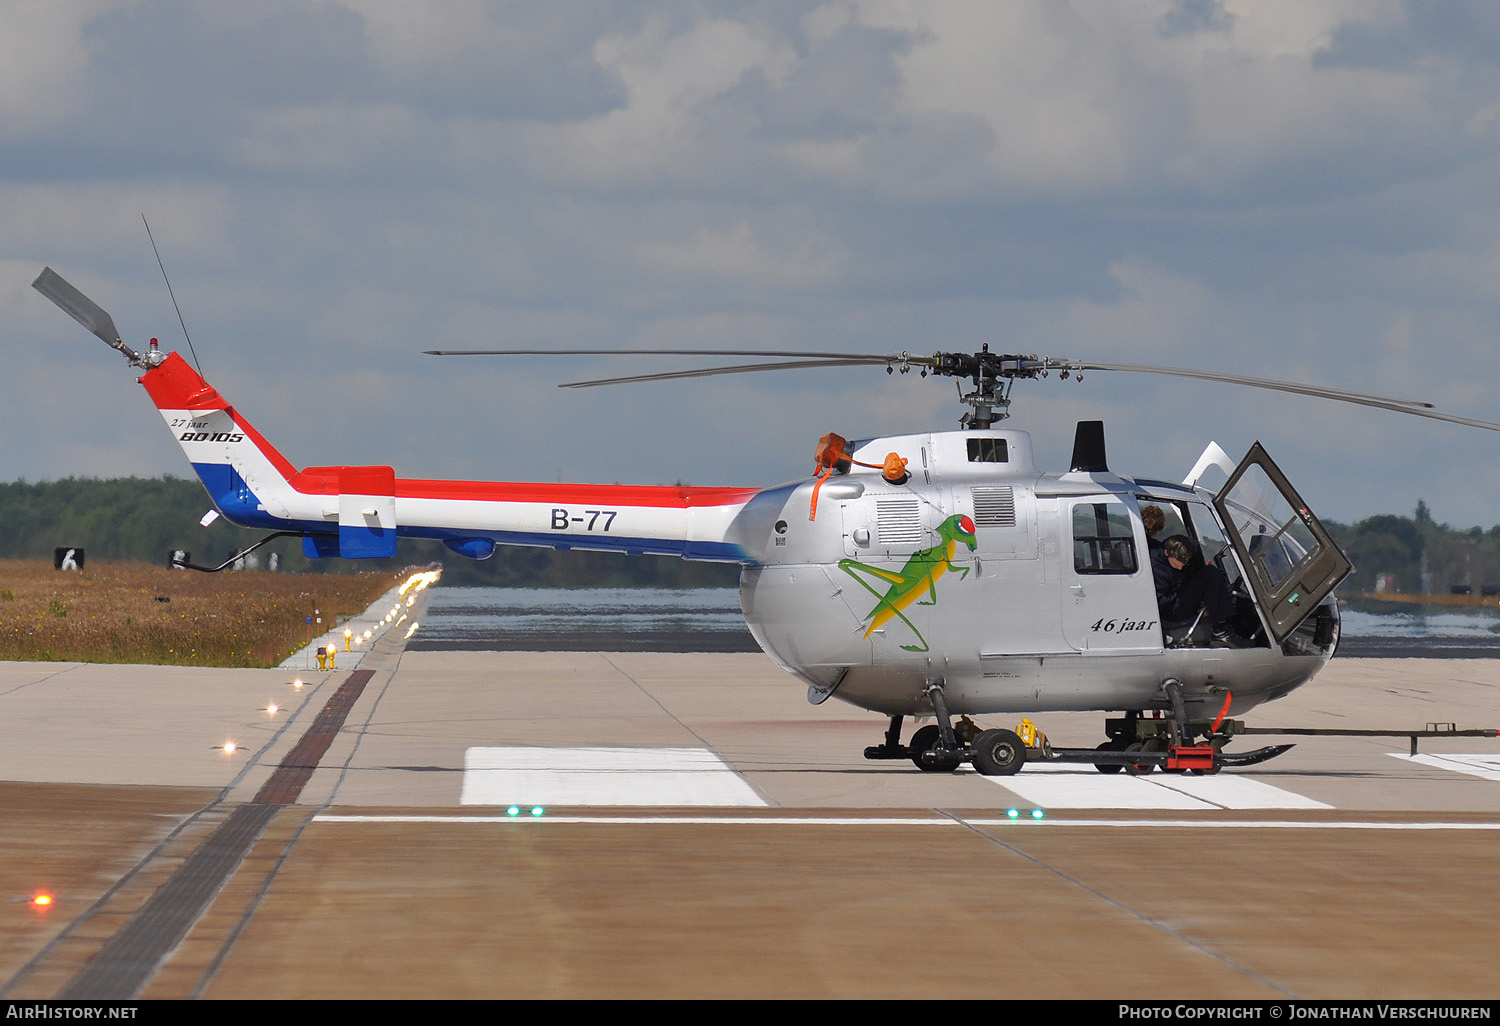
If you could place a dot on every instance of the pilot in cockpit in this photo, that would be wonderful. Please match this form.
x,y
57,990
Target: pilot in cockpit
x,y
1190,590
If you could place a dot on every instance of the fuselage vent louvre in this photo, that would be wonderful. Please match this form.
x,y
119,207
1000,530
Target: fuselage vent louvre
x,y
994,506
900,521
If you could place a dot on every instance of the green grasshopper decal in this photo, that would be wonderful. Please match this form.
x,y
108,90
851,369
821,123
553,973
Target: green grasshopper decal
x,y
918,576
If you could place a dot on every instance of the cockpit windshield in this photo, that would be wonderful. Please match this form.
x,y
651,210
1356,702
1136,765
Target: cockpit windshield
x,y
1291,563
1274,534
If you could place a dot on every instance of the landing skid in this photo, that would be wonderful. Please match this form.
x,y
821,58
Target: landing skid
x,y
1193,758
1136,745
1197,758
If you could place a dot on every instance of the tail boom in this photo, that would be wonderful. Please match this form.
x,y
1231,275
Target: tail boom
x,y
360,511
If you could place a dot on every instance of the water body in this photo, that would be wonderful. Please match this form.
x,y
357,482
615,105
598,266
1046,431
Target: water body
x,y
709,620
583,620
1381,630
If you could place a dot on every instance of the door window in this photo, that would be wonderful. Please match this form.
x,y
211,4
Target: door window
x,y
1103,539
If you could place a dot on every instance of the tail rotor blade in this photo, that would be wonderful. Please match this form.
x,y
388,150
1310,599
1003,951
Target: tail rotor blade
x,y
76,305
86,312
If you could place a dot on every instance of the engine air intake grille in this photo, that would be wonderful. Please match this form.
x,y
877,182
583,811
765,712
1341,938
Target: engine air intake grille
x,y
900,521
994,507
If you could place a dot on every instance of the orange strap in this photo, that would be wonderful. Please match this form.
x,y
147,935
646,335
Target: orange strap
x,y
824,475
1228,697
830,453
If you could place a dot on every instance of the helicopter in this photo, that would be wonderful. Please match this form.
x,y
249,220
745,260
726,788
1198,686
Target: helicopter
x,y
936,574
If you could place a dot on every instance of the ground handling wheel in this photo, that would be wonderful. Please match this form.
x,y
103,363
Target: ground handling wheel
x,y
999,753
1140,769
1109,767
922,741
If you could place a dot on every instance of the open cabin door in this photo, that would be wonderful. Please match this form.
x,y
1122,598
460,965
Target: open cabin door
x,y
1291,563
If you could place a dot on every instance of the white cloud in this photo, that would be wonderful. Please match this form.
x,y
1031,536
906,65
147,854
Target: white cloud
x,y
1094,99
42,60
105,217
329,140
670,81
415,39
1159,315
1285,188
737,254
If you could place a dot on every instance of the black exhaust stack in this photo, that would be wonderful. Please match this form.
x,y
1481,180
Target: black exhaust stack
x,y
1088,448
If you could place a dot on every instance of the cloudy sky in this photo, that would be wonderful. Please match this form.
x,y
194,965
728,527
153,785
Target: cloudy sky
x,y
1297,189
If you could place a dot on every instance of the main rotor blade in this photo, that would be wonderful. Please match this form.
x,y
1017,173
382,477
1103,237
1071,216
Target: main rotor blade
x,y
749,368
1415,407
1239,379
656,352
76,305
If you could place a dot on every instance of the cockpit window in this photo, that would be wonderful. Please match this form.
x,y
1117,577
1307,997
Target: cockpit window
x,y
1210,537
988,450
1103,539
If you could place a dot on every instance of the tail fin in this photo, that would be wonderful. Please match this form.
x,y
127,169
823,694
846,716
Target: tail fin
x,y
342,511
247,479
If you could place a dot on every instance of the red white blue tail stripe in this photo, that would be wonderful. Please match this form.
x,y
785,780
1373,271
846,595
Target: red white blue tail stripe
x,y
361,511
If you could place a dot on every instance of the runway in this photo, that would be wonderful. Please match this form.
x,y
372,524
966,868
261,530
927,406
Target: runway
x,y
687,826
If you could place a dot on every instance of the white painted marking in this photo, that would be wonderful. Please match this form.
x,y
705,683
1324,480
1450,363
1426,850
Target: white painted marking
x,y
634,820
1083,787
1072,786
1232,791
1023,823
1486,766
601,776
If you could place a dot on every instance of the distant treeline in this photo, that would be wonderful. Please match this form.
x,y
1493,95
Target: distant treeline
x,y
1420,556
146,518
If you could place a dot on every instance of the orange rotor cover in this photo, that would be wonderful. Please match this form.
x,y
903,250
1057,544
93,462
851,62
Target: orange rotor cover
x,y
894,470
830,451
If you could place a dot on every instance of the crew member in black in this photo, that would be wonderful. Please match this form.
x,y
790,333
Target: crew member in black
x,y
1185,584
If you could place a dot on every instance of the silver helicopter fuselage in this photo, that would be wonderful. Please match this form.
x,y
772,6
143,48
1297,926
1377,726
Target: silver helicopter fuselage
x,y
940,558
1028,619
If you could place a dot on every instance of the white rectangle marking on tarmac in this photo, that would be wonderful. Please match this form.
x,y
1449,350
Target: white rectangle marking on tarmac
x,y
602,776
1083,787
1024,823
1486,766
1230,791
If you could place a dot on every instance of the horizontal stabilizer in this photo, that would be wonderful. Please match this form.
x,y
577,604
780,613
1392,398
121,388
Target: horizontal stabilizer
x,y
367,512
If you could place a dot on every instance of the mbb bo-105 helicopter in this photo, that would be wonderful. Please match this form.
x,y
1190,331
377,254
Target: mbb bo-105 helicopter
x,y
932,574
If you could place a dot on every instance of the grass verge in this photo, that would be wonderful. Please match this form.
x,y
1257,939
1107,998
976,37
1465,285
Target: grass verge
x,y
138,613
